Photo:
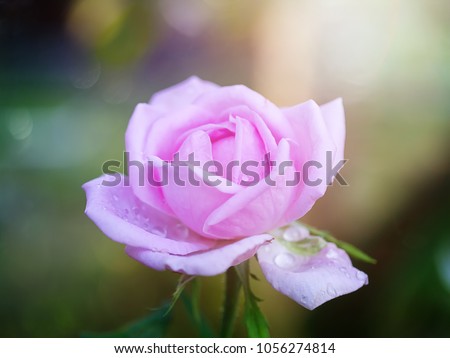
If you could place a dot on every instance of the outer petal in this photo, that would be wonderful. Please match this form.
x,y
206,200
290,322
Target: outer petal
x,y
181,94
141,122
167,134
310,280
311,135
125,219
207,263
334,117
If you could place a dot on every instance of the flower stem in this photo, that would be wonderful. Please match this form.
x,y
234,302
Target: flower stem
x,y
231,302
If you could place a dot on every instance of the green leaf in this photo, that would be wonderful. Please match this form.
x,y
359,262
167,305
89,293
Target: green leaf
x,y
352,250
256,323
153,325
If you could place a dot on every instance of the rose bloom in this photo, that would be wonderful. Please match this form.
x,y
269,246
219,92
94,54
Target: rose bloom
x,y
203,229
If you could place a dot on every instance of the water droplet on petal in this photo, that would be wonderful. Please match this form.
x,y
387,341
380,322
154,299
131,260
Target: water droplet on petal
x,y
277,233
331,290
331,254
295,233
181,231
284,260
146,223
159,231
303,299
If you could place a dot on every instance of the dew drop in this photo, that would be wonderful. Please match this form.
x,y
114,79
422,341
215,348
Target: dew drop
x,y
159,231
331,290
181,231
284,260
295,233
277,233
303,299
344,271
331,254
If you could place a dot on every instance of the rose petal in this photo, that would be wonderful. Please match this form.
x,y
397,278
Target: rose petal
x,y
151,137
334,117
314,141
181,94
310,280
193,202
257,208
242,111
207,263
222,99
168,133
248,147
141,122
125,219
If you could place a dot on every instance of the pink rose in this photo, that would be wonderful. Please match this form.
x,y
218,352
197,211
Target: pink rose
x,y
203,229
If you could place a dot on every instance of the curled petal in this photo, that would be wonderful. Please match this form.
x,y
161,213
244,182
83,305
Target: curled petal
x,y
190,197
181,94
223,99
314,142
310,280
125,219
206,263
334,117
140,166
257,208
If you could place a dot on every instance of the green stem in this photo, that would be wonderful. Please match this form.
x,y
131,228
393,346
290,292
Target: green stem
x,y
195,292
231,302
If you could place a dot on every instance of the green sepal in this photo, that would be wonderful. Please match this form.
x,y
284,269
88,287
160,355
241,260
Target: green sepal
x,y
350,249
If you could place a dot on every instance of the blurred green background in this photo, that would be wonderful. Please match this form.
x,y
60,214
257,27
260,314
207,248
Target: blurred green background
x,y
71,73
